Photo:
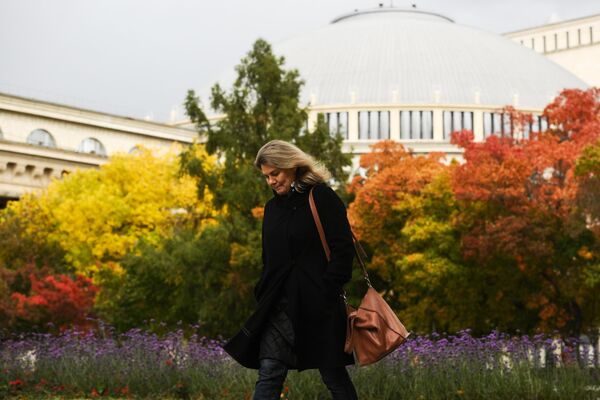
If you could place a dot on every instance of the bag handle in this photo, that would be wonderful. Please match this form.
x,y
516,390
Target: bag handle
x,y
358,249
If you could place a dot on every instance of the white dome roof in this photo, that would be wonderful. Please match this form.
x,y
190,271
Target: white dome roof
x,y
399,56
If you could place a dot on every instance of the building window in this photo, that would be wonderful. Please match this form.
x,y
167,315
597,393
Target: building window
x,y
540,124
92,146
537,124
1,134
500,124
303,131
556,41
384,124
426,125
544,43
373,124
496,124
507,125
532,43
448,128
467,120
487,124
363,124
567,37
41,137
455,121
416,125
578,37
591,34
135,150
337,123
404,125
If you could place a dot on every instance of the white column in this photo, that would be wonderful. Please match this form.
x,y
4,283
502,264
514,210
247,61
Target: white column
x,y
438,125
395,125
312,120
353,125
478,125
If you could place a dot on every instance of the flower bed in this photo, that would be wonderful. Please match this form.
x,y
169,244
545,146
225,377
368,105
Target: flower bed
x,y
140,364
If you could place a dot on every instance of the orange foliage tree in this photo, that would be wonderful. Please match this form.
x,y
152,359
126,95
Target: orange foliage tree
x,y
402,212
503,241
520,218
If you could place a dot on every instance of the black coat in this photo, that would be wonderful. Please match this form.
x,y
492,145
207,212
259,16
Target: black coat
x,y
295,265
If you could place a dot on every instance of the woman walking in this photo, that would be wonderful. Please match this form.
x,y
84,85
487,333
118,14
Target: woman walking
x,y
300,319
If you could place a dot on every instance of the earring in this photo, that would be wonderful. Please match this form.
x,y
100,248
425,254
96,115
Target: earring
x,y
293,186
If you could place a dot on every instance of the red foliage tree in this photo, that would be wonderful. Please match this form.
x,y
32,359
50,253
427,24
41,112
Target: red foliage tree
x,y
56,299
520,212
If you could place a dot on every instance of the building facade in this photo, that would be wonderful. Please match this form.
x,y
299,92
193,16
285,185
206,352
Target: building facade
x,y
385,73
40,141
416,76
572,44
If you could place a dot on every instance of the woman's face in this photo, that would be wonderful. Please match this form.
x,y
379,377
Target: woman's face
x,y
280,179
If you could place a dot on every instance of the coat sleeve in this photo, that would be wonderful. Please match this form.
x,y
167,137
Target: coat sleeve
x,y
338,234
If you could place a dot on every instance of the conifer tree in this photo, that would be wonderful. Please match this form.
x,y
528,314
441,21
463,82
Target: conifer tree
x,y
263,104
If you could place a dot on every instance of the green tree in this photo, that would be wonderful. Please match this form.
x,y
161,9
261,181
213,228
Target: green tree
x,y
263,104
90,220
326,146
97,216
174,282
587,171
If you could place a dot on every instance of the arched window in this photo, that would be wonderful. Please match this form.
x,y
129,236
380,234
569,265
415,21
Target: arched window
x,y
92,146
41,137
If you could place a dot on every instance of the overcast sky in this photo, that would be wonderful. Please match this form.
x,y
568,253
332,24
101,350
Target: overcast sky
x,y
138,57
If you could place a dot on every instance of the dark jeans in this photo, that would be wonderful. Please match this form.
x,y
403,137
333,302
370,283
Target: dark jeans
x,y
272,373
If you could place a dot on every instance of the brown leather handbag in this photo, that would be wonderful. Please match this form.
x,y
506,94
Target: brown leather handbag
x,y
373,329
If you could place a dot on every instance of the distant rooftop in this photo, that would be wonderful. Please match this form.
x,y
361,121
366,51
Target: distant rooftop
x,y
411,12
390,55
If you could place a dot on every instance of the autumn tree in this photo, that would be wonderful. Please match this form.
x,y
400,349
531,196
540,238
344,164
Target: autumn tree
x,y
56,299
403,212
262,104
587,171
521,222
506,240
97,217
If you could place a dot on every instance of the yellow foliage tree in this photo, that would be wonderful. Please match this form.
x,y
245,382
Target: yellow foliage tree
x,y
97,216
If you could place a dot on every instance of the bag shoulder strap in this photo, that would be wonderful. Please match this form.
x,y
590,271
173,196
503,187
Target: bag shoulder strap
x,y
360,252
313,209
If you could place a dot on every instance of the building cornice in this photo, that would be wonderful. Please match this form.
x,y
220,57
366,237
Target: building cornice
x,y
415,106
553,26
400,107
81,116
51,153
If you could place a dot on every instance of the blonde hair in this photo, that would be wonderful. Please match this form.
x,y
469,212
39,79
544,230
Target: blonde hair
x,y
281,154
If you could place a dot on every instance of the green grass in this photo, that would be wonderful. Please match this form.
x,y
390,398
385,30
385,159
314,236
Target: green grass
x,y
379,382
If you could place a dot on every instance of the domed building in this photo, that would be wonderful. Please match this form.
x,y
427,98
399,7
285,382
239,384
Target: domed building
x,y
416,76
